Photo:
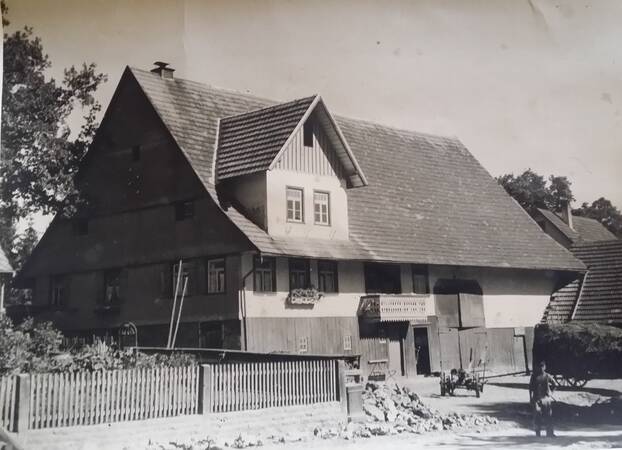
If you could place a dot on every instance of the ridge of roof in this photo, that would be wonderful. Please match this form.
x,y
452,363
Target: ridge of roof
x,y
270,107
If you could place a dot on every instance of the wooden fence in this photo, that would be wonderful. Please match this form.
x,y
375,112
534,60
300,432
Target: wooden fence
x,y
244,386
49,400
87,398
7,401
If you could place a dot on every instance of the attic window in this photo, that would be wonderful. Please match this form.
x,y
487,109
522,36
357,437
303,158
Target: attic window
x,y
136,153
307,133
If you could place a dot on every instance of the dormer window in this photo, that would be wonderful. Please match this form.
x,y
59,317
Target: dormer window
x,y
294,205
307,133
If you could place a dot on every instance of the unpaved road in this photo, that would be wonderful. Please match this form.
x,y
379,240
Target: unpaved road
x,y
505,398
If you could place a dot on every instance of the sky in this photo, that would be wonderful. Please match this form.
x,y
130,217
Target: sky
x,y
523,84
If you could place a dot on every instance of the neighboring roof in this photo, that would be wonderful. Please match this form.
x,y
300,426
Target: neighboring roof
x,y
601,295
562,303
428,199
591,230
585,228
5,265
249,142
558,223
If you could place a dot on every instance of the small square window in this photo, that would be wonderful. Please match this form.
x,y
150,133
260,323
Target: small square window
x,y
184,210
295,211
215,276
303,345
80,226
347,343
136,153
307,133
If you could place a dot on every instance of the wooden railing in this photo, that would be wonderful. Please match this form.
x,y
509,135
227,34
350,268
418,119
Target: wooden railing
x,y
88,398
244,386
7,401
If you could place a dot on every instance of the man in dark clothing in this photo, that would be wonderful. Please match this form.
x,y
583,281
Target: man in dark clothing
x,y
541,385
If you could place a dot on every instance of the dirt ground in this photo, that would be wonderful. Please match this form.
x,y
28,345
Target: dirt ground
x,y
506,398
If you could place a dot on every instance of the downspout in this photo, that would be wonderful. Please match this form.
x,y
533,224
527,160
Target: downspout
x,y
243,304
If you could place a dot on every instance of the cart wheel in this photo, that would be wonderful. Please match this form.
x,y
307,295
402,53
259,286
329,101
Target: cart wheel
x,y
477,390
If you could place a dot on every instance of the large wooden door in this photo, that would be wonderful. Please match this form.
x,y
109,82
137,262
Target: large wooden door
x,y
395,357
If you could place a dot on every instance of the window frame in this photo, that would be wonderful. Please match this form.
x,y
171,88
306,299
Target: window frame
x,y
420,270
335,273
256,269
59,281
184,210
186,272
328,214
302,204
223,288
107,274
307,273
303,344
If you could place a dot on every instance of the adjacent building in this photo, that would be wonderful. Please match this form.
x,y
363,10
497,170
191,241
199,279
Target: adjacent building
x,y
297,231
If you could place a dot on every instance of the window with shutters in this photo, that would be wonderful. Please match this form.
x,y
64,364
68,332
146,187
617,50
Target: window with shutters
x,y
112,286
321,208
421,284
295,212
298,273
215,276
327,276
265,274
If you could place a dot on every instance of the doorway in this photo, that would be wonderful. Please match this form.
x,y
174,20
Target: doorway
x,y
422,350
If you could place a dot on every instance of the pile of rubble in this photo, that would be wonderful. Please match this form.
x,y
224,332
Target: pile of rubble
x,y
390,409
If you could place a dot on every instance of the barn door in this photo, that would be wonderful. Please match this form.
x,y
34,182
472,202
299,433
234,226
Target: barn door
x,y
520,354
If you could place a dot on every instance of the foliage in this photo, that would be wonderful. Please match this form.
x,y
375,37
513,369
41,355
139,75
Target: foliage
x,y
603,211
37,347
579,350
532,191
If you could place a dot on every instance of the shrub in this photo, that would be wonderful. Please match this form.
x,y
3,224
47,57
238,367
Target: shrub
x,y
581,351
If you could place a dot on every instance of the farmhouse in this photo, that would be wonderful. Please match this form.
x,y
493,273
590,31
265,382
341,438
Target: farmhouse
x,y
297,231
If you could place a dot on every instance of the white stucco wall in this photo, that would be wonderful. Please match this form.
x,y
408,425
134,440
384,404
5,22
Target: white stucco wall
x,y
277,182
512,298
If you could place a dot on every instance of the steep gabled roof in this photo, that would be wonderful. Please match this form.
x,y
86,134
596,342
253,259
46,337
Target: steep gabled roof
x,y
591,230
601,295
558,223
428,199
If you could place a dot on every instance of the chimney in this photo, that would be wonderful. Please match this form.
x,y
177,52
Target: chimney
x,y
162,70
567,215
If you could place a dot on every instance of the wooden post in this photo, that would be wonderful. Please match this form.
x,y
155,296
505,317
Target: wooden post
x,y
22,403
205,389
341,386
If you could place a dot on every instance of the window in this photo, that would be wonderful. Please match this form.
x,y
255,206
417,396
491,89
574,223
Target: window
x,y
321,208
327,276
136,153
265,275
80,226
294,205
303,345
186,269
59,290
307,133
382,278
298,274
184,210
112,286
215,276
420,279
347,343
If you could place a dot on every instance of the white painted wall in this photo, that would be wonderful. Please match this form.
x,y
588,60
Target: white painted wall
x,y
278,180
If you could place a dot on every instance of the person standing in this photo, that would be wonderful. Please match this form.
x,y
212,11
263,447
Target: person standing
x,y
541,386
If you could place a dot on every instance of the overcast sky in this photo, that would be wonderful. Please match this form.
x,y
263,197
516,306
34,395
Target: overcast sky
x,y
523,84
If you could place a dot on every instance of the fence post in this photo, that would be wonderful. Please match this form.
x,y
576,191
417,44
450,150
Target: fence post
x,y
206,377
22,402
341,386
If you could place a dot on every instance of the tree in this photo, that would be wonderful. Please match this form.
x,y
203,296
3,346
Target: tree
x,y
603,211
532,191
39,154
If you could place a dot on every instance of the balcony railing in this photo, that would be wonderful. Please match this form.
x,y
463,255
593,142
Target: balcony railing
x,y
394,307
